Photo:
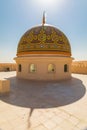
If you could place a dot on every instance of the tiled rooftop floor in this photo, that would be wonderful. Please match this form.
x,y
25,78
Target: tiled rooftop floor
x,y
39,105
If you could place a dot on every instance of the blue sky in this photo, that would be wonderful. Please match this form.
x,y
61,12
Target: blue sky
x,y
17,16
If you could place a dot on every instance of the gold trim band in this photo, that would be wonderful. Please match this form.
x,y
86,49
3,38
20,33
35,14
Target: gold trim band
x,y
44,52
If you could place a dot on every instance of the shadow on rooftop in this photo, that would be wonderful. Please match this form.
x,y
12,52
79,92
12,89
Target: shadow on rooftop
x,y
44,94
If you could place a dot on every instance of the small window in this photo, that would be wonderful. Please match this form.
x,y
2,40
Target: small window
x,y
32,68
19,68
51,68
8,69
65,68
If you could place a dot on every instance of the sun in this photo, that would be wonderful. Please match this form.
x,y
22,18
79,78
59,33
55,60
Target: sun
x,y
46,3
49,4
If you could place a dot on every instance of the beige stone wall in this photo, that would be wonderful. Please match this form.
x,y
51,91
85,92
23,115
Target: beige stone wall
x,y
79,67
4,86
42,68
7,67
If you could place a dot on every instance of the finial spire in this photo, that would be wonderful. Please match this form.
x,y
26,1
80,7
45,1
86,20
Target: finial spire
x,y
43,20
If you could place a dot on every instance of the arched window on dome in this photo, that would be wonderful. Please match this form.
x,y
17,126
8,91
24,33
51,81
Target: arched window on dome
x,y
32,68
51,68
19,68
65,68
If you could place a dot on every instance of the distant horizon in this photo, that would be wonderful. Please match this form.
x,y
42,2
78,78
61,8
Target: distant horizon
x,y
19,16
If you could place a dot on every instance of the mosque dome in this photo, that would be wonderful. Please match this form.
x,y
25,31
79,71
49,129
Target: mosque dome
x,y
44,39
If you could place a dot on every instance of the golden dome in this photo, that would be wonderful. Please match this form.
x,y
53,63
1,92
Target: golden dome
x,y
44,39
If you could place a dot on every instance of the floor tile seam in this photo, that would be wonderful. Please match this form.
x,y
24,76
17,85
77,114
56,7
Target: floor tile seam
x,y
70,114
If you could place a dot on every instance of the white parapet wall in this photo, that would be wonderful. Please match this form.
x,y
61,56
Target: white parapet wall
x,y
4,86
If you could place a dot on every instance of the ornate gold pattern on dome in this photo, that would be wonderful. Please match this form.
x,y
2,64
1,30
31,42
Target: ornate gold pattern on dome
x,y
44,38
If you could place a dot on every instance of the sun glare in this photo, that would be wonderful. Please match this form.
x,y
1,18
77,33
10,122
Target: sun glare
x,y
47,3
50,4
